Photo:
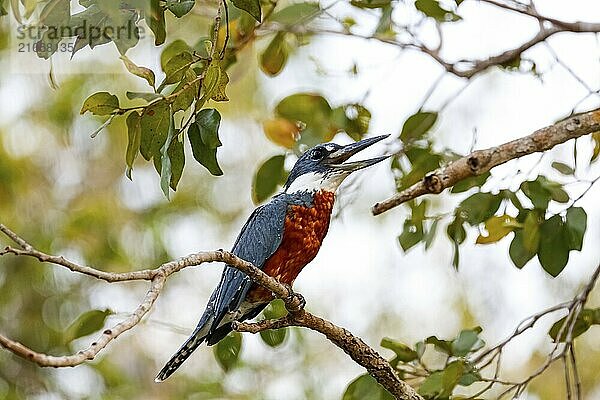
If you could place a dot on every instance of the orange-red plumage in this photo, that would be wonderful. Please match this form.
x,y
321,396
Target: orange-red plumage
x,y
304,231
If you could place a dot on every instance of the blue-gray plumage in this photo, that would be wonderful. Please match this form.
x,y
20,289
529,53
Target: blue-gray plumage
x,y
280,237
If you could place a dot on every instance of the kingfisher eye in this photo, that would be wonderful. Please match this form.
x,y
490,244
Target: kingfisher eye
x,y
318,154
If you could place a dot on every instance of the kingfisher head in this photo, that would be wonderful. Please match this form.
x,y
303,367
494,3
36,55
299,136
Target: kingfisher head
x,y
325,166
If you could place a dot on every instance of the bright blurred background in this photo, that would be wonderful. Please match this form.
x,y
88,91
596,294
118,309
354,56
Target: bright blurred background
x,y
67,194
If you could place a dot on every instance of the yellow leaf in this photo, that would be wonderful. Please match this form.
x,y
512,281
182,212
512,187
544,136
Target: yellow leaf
x,y
498,227
234,34
282,131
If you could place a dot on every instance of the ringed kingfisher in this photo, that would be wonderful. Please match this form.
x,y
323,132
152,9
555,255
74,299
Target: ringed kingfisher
x,y
281,237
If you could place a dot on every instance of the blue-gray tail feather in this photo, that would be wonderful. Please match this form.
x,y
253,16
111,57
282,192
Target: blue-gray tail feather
x,y
184,352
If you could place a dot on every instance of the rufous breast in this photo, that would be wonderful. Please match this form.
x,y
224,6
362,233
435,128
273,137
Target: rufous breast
x,y
304,231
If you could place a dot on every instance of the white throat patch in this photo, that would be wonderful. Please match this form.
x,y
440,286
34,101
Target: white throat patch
x,y
312,182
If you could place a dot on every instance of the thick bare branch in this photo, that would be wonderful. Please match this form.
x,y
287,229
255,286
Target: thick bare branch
x,y
359,351
481,161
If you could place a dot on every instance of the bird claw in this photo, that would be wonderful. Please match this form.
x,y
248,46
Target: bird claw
x,y
294,302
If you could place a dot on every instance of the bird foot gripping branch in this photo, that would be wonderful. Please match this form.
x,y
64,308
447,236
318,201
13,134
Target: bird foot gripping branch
x,y
280,238
294,302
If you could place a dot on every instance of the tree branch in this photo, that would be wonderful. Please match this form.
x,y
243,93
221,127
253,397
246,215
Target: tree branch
x,y
564,337
481,161
358,350
463,68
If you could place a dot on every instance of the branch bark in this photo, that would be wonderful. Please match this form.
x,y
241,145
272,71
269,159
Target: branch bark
x,y
358,350
481,161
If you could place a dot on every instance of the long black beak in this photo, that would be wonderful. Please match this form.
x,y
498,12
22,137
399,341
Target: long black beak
x,y
337,158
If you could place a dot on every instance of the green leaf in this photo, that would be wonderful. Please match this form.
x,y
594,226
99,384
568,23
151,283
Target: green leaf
x,y
3,11
563,168
542,190
456,232
471,182
586,318
181,7
30,6
422,160
385,26
56,13
155,127
403,352
86,324
144,96
177,156
93,19
417,125
142,72
267,178
354,119
452,375
303,106
188,90
172,50
519,253
165,164
274,337
104,22
418,210
227,351
252,7
432,9
219,93
576,224
101,103
299,13
314,112
440,345
558,194
208,121
155,19
411,235
531,232
497,228
365,387
467,342
134,134
479,207
430,235
553,251
370,3
124,42
433,385
596,151
211,81
275,56
469,378
177,67
206,127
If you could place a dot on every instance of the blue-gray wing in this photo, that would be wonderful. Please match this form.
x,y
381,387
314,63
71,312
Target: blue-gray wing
x,y
259,239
